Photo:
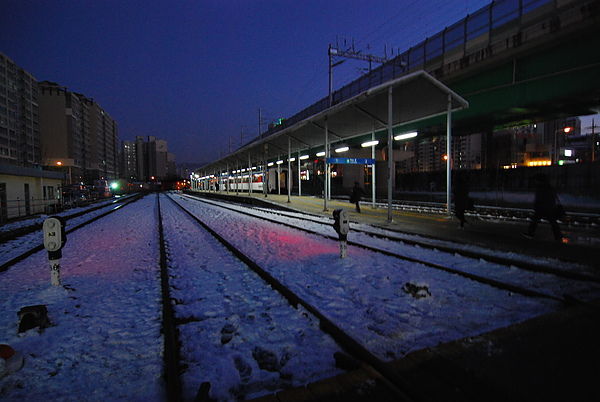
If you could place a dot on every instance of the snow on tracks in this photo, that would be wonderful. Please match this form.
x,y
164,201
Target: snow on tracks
x,y
235,331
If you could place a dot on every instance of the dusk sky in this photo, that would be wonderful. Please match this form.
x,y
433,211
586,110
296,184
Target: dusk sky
x,y
196,72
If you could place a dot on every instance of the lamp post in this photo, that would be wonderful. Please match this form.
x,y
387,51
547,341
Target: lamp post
x,y
69,177
564,130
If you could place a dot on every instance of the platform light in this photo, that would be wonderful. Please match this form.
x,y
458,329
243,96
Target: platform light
x,y
279,162
292,159
322,153
369,143
568,152
59,163
303,157
270,164
243,170
341,149
114,185
406,136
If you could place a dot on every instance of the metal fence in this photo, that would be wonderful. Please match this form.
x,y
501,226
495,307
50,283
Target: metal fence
x,y
17,208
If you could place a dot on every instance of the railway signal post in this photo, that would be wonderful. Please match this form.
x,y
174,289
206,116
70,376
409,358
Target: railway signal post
x,y
54,240
342,227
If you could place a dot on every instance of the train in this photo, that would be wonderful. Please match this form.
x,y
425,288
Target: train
x,y
241,183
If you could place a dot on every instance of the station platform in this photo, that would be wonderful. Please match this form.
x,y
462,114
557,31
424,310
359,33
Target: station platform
x,y
554,357
583,246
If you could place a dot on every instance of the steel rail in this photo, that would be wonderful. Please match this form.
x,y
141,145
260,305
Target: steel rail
x,y
21,257
393,380
171,356
22,231
527,266
481,279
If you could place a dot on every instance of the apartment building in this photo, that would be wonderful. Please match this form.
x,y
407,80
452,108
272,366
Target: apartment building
x,y
129,161
19,116
147,160
24,187
77,134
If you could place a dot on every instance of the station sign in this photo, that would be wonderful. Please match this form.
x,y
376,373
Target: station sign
x,y
353,161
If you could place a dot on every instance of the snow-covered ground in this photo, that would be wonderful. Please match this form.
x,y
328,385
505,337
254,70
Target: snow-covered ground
x,y
544,283
105,341
13,248
39,219
364,292
237,332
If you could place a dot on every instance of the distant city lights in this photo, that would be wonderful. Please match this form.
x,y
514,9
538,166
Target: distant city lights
x,y
539,163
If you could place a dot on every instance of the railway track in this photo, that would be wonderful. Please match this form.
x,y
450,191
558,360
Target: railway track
x,y
390,380
9,261
487,212
511,263
433,243
9,233
299,298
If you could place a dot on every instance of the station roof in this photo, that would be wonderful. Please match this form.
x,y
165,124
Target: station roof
x,y
415,97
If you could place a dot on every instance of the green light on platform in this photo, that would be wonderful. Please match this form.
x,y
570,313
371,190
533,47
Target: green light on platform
x,y
114,185
561,162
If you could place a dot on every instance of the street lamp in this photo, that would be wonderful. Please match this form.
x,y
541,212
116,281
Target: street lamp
x,y
60,163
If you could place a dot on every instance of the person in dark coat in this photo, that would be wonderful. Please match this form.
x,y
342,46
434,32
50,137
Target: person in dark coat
x,y
461,199
356,195
544,207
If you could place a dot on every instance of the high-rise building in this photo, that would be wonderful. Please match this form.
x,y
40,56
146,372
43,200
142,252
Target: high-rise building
x,y
24,188
19,121
151,159
129,161
157,157
77,133
141,150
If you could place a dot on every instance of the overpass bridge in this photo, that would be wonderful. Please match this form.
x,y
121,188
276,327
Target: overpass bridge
x,y
511,62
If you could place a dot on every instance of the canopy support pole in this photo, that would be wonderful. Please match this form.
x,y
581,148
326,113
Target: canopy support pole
x,y
448,154
289,172
390,156
299,179
373,169
326,166
249,175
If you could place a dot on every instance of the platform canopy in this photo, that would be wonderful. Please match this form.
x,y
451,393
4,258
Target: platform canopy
x,y
415,97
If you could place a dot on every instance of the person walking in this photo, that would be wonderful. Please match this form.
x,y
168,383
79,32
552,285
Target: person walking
x,y
356,196
545,206
461,199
